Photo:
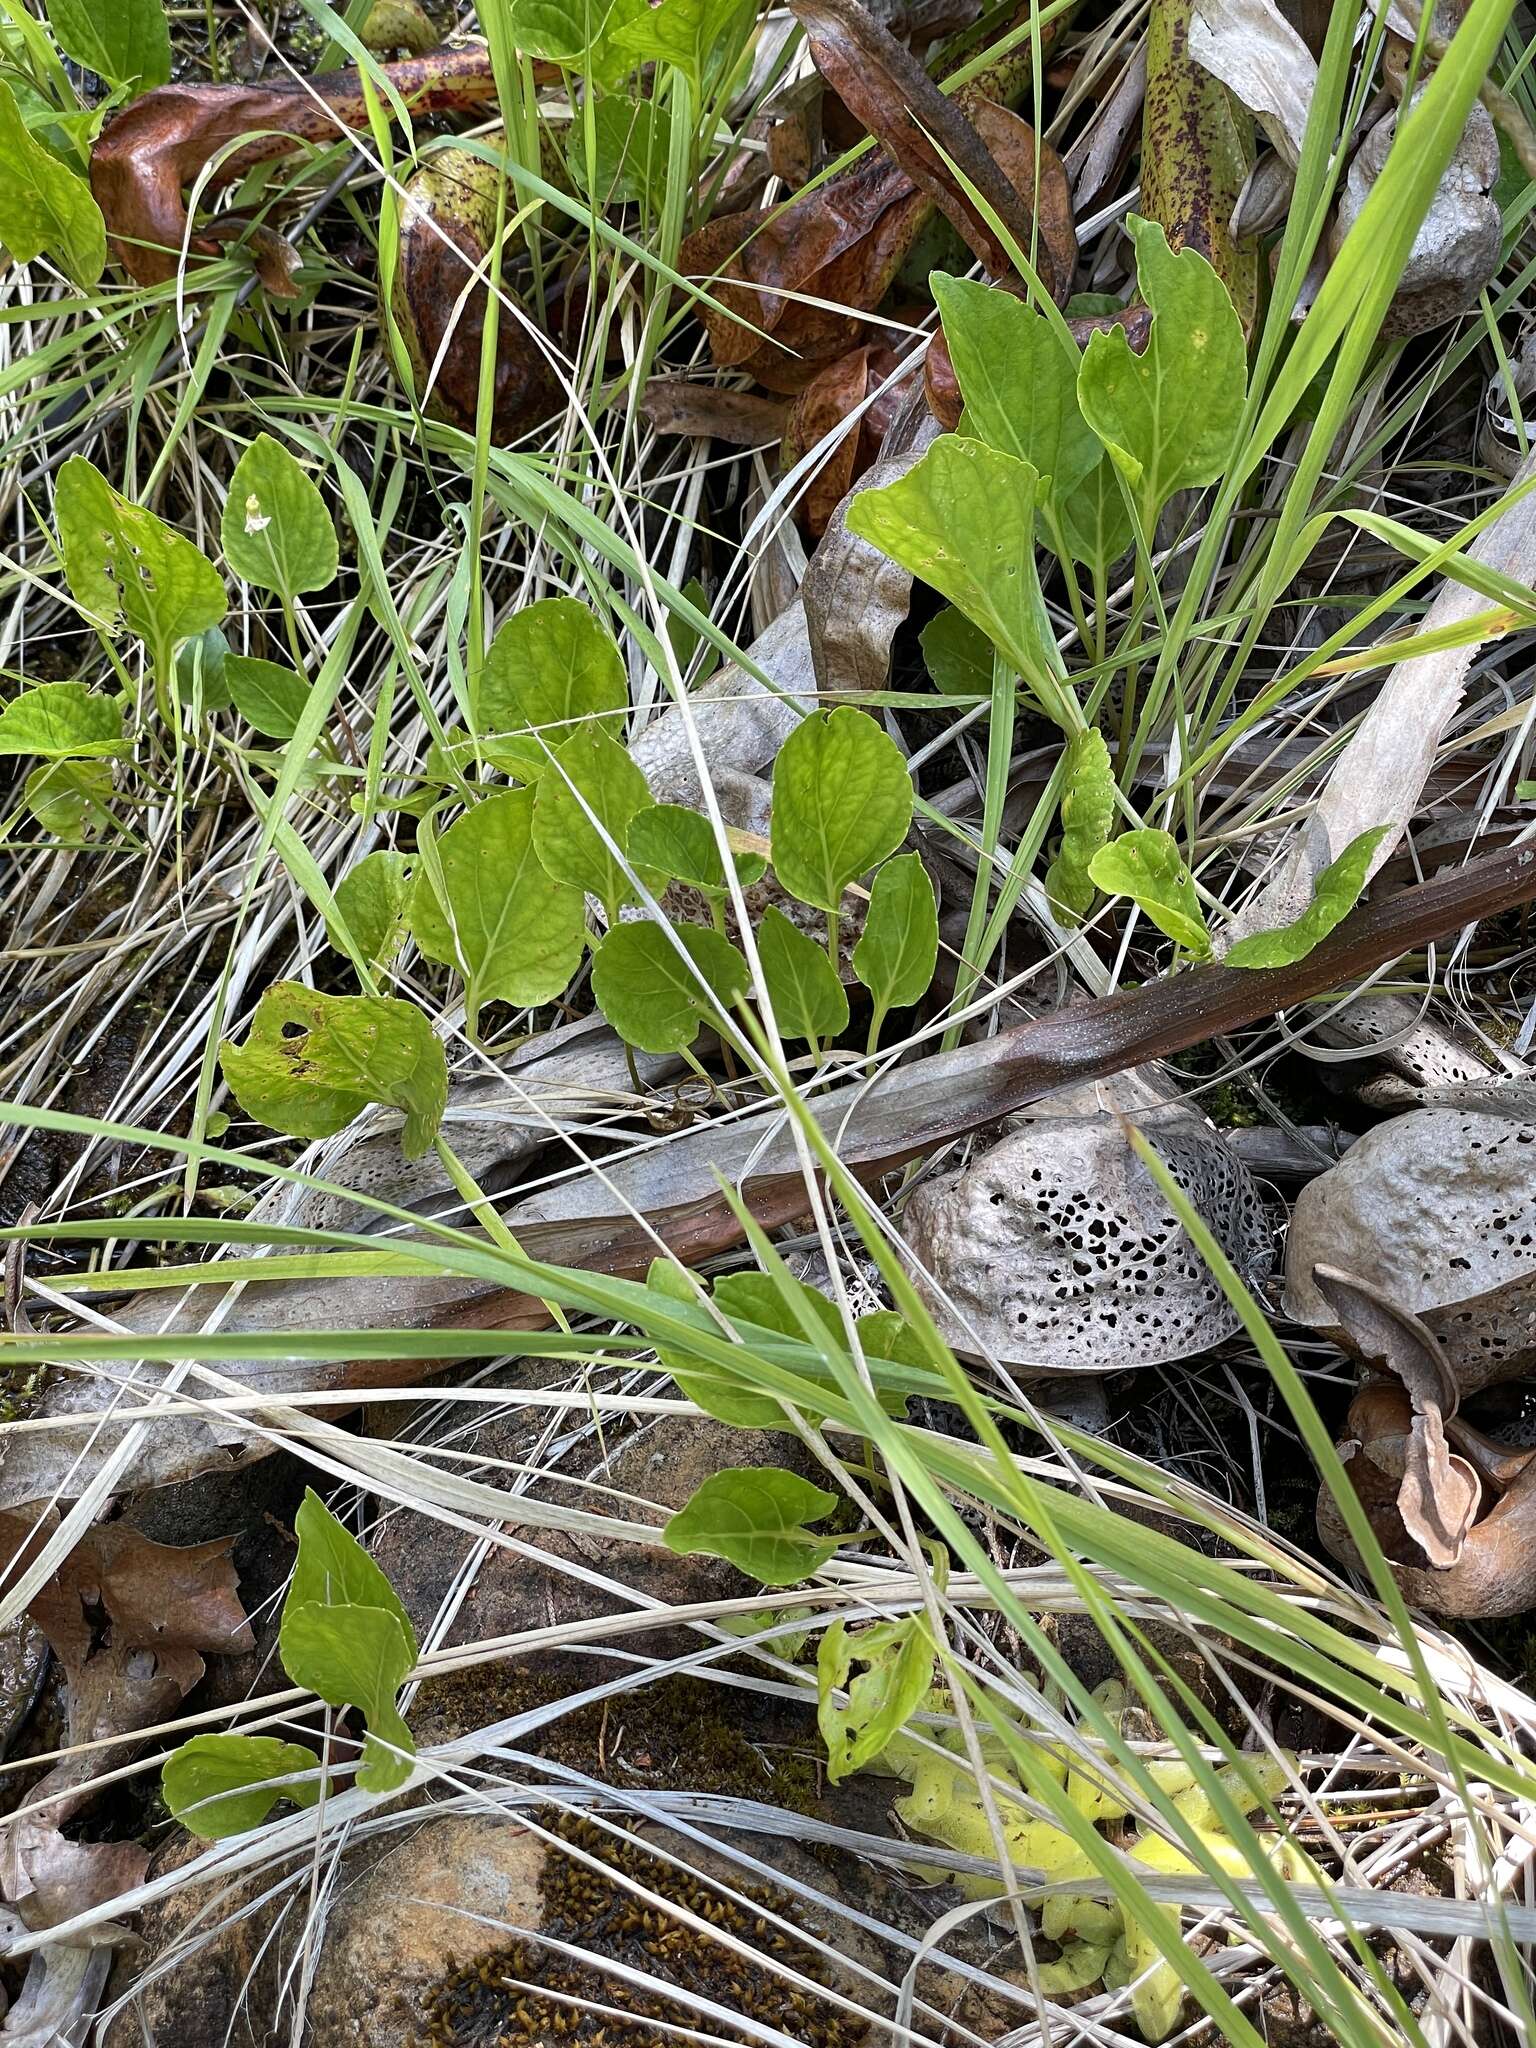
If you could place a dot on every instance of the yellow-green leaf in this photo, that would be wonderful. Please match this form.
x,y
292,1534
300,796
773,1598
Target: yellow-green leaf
x,y
755,1517
808,999
1334,897
551,667
1147,866
515,933
657,998
45,207
125,564
312,1062
1087,814
277,533
220,1785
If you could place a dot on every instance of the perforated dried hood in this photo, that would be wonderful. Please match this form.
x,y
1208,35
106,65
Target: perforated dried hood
x,y
1055,1252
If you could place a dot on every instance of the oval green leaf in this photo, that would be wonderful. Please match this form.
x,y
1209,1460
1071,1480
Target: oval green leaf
x,y
755,1517
218,1785
657,1000
277,533
898,948
512,930
582,813
808,999
842,801
373,901
551,667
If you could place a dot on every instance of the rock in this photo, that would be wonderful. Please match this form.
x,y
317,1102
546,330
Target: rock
x,y
1056,1251
218,1989
398,1928
1432,1208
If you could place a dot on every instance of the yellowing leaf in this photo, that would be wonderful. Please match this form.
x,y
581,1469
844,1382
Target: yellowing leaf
x,y
1148,867
963,519
374,901
45,207
312,1062
842,800
124,563
62,721
898,1670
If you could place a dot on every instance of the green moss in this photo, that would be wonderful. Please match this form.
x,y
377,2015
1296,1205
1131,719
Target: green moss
x,y
522,1992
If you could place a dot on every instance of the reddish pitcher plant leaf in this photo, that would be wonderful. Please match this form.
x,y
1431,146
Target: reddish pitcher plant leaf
x,y
830,398
926,132
152,150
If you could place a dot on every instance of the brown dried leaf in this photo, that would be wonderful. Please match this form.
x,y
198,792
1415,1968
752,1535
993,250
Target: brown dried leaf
x,y
1019,152
1438,1495
922,128
677,405
447,225
152,149
823,244
170,1598
855,596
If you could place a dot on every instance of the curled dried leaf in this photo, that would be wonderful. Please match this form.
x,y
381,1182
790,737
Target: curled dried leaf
x,y
1438,1494
152,149
447,225
833,396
